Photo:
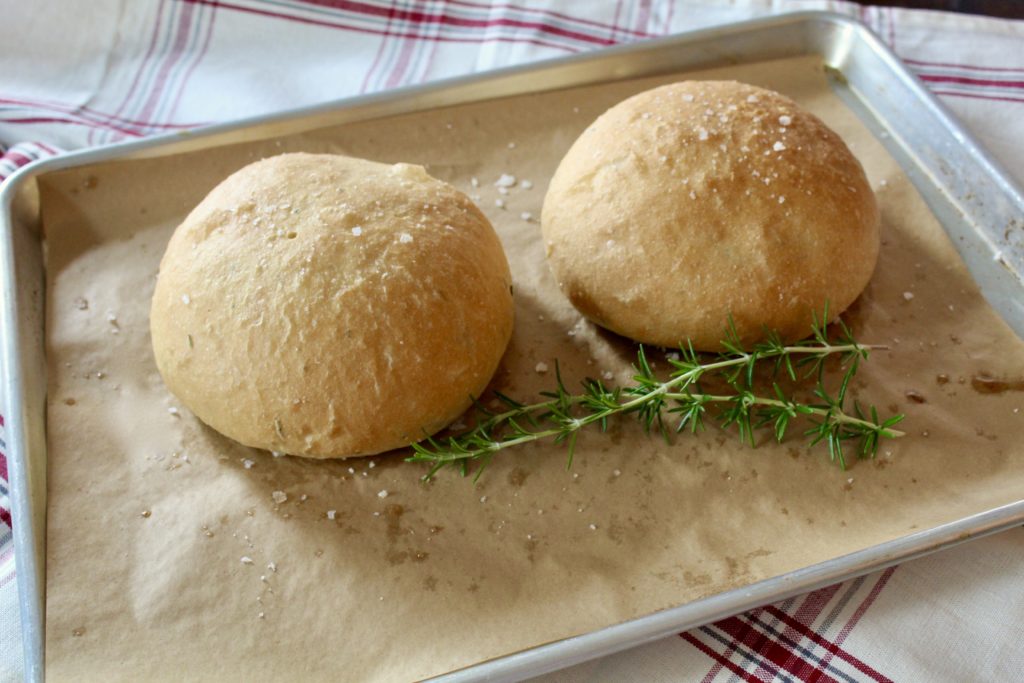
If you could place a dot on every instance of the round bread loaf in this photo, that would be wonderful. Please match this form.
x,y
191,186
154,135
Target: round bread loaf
x,y
695,201
326,306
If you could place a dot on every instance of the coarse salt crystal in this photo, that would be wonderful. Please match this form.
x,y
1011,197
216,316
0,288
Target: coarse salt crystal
x,y
526,216
483,499
331,513
541,367
173,411
782,200
474,182
785,120
607,375
908,295
357,231
247,463
778,146
702,134
279,496
752,99
687,97
503,190
405,238
277,454
186,299
351,470
372,464
272,566
511,145
383,493
500,203
526,184
593,527
505,180
616,473
246,559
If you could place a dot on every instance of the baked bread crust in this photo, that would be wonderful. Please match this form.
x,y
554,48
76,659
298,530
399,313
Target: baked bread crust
x,y
326,306
695,201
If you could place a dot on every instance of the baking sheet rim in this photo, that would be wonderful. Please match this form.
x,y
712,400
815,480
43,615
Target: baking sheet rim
x,y
551,656
563,653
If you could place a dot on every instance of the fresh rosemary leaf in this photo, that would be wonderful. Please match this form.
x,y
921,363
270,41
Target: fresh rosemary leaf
x,y
562,414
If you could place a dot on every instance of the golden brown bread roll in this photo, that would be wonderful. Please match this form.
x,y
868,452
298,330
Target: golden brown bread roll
x,y
696,200
326,306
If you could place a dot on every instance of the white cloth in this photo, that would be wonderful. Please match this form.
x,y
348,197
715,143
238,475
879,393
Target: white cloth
x,y
123,69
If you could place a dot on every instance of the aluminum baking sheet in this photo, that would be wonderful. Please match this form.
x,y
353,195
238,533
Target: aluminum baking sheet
x,y
974,199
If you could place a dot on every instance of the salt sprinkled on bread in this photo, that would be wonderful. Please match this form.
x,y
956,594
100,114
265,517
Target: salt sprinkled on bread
x,y
336,306
695,201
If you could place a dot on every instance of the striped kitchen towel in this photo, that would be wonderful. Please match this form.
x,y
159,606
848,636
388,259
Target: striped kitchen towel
x,y
121,71
22,154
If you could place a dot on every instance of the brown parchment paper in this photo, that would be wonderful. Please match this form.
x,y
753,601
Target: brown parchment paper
x,y
154,518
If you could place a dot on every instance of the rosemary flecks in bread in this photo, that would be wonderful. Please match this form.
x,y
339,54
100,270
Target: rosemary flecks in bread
x,y
326,306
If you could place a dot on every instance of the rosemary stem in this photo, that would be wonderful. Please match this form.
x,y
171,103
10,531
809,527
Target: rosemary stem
x,y
687,377
836,416
562,415
832,415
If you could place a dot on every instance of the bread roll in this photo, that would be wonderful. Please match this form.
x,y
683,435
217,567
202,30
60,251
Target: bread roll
x,y
326,306
697,200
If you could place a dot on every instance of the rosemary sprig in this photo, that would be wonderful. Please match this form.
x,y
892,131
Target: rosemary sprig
x,y
562,414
